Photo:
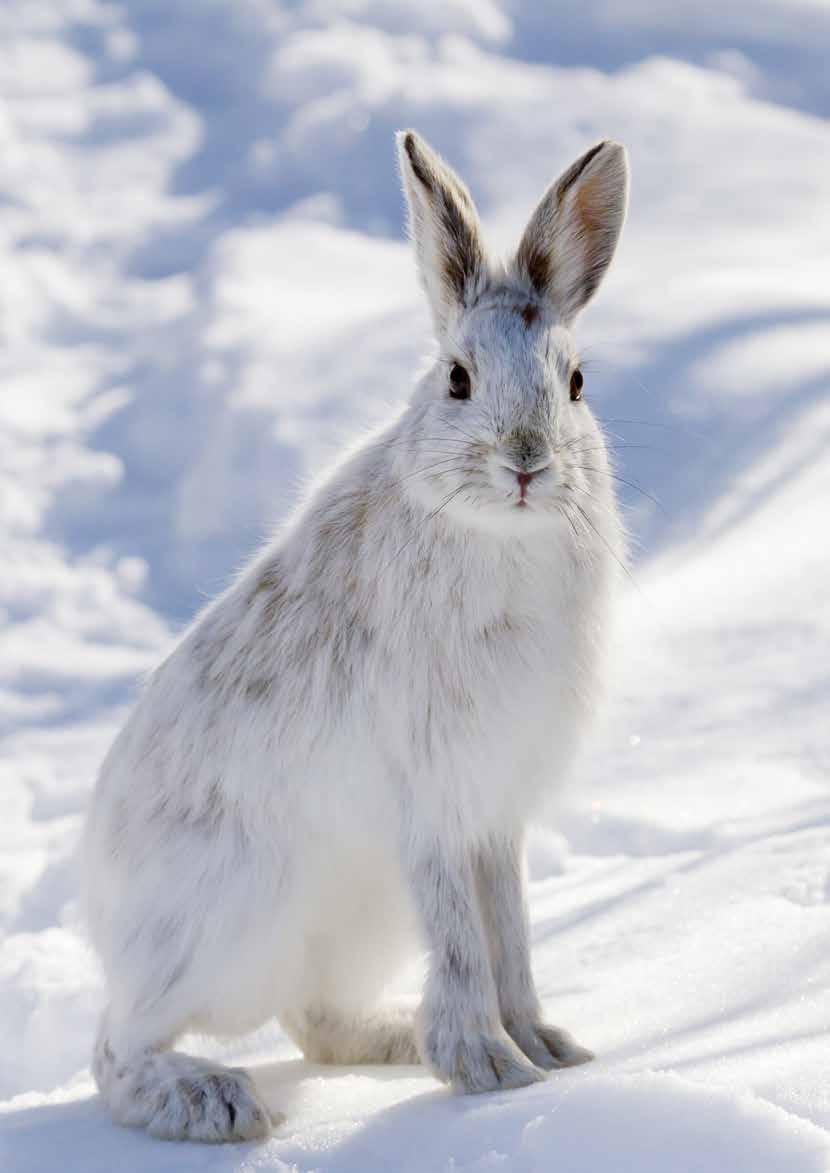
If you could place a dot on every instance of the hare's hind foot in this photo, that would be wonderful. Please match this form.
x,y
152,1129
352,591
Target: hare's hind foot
x,y
179,1097
328,1035
210,1104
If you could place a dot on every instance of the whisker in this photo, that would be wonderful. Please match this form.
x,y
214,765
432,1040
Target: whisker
x,y
650,424
564,513
607,544
631,484
429,517
438,463
621,447
452,424
403,443
575,440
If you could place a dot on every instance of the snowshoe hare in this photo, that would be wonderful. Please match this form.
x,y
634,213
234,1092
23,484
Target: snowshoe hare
x,y
334,767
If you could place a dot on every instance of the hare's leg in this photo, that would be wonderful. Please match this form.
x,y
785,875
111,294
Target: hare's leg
x,y
460,1029
363,935
173,1095
502,891
328,1034
162,981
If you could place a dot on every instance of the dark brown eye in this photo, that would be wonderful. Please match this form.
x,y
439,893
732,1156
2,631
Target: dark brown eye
x,y
576,385
459,382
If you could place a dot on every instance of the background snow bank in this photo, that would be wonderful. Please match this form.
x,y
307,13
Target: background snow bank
x,y
204,289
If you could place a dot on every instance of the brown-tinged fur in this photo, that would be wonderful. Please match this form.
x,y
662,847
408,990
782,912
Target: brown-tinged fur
x,y
571,237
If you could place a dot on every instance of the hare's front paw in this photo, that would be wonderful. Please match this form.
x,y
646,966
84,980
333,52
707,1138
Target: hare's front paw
x,y
480,1063
547,1046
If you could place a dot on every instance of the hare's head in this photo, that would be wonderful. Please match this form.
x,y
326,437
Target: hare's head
x,y
500,430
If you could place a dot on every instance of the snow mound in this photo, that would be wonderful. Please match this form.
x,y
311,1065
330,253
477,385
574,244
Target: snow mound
x,y
645,1123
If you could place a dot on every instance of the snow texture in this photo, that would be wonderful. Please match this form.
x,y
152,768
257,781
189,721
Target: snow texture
x,y
204,289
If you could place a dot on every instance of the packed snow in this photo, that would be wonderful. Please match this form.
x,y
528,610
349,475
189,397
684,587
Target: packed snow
x,y
205,290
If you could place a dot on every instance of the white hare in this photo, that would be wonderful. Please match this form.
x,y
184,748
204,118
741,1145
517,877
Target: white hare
x,y
334,768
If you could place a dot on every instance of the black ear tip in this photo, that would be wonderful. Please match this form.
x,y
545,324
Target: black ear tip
x,y
418,160
589,157
608,155
611,149
409,141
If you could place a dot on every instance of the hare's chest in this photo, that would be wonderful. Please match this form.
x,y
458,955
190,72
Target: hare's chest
x,y
490,695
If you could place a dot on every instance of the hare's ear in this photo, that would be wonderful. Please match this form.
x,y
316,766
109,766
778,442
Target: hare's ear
x,y
572,235
443,224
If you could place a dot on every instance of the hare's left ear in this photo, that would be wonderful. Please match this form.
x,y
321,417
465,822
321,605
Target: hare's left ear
x,y
444,226
572,235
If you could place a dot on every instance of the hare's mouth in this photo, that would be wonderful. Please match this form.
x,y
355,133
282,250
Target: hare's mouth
x,y
525,480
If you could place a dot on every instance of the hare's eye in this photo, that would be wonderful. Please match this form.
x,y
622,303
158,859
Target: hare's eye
x,y
459,382
576,385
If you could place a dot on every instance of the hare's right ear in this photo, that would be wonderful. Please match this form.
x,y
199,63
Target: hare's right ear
x,y
572,235
443,224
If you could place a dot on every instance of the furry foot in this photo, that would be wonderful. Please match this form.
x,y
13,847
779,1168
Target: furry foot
x,y
179,1097
210,1106
548,1046
327,1035
483,1063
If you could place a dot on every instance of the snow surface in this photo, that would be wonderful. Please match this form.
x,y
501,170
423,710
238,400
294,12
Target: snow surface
x,y
204,289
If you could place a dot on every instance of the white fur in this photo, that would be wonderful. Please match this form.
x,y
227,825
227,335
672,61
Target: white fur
x,y
334,767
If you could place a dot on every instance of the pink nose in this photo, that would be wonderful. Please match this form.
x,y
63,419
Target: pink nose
x,y
524,479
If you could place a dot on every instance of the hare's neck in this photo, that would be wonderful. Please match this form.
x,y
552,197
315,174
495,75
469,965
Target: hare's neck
x,y
363,536
431,571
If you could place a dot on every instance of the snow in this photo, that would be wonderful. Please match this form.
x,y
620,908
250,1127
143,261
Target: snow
x,y
204,289
644,1123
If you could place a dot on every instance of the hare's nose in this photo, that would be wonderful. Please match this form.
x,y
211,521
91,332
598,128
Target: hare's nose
x,y
524,479
526,469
